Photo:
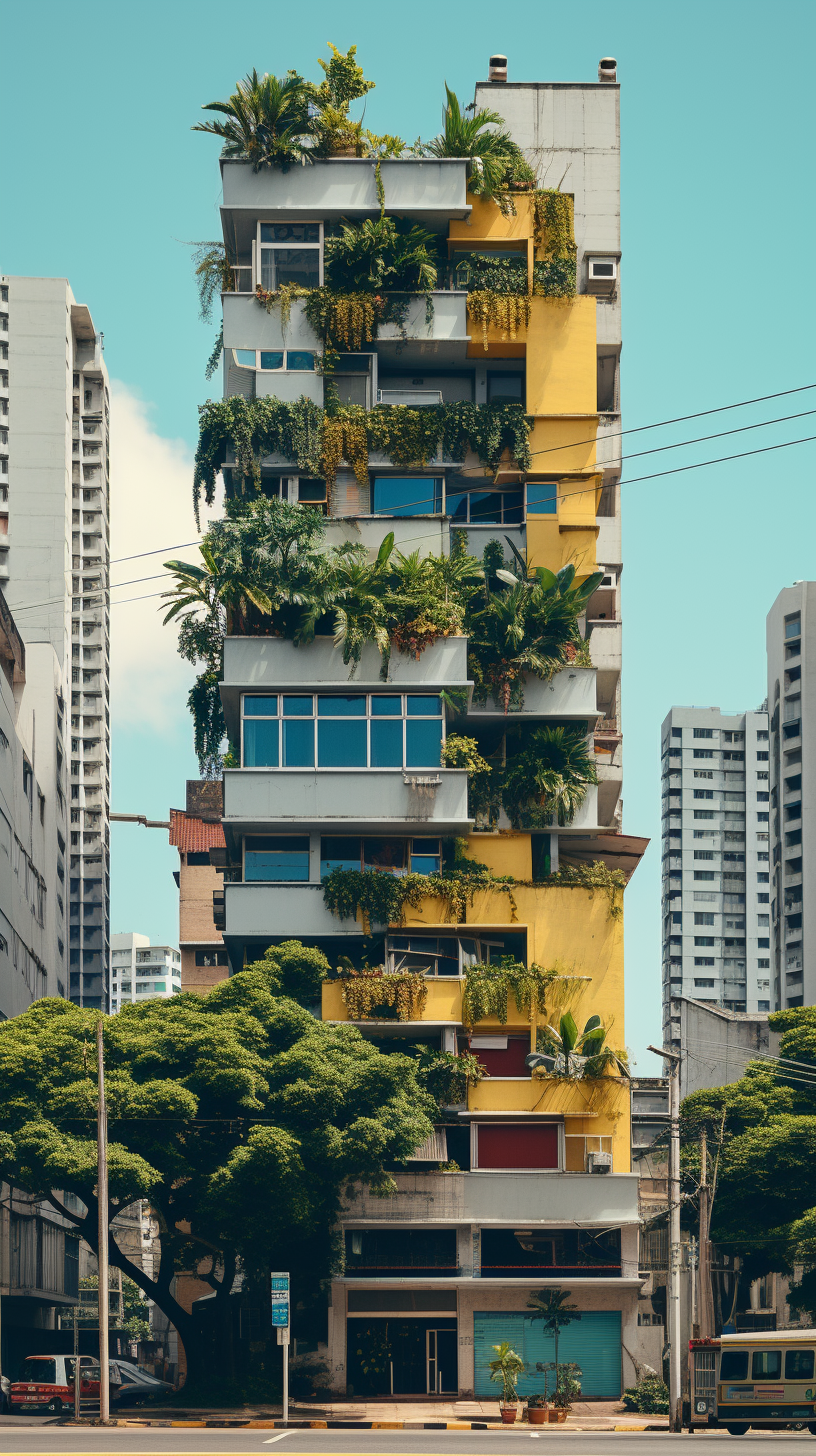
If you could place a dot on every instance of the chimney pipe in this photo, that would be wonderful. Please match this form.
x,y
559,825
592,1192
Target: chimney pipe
x,y
607,69
497,68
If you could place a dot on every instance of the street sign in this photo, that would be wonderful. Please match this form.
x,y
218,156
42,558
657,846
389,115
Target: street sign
x,y
279,1298
280,1315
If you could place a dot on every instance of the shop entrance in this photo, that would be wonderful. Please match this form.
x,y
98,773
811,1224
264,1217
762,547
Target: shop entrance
x,y
402,1356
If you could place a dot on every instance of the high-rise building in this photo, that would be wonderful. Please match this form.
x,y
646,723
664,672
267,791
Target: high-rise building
x,y
141,971
54,565
198,836
791,649
716,861
336,774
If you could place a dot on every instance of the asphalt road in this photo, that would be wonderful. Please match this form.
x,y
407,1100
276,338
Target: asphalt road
x,y
47,1440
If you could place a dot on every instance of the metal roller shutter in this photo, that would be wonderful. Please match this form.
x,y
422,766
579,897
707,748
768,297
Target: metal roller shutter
x,y
593,1342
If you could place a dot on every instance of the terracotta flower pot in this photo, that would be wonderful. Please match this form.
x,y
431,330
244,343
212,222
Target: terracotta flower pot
x,y
537,1415
558,1414
508,1414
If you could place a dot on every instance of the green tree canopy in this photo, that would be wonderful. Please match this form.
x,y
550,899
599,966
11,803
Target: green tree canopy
x,y
237,1114
762,1143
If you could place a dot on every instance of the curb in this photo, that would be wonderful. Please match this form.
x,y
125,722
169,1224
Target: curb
x,y
260,1425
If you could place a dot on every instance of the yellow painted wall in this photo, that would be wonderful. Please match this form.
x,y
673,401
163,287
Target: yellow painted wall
x,y
506,853
562,363
559,444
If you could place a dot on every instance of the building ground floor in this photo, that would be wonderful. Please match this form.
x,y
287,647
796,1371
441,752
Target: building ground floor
x,y
437,1339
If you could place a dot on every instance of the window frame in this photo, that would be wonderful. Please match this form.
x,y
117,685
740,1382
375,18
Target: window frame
x,y
407,840
276,222
258,367
255,881
403,717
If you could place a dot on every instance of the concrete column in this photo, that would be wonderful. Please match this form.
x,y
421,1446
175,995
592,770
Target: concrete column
x,y
337,1338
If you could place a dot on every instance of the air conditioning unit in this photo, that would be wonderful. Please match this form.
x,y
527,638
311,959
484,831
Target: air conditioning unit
x,y
599,1162
602,274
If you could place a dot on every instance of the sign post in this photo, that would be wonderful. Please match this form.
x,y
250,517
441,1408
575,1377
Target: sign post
x,y
279,1296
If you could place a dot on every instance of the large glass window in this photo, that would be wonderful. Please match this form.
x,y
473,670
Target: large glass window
x,y
468,505
408,495
390,855
290,253
388,730
505,388
766,1364
276,857
542,497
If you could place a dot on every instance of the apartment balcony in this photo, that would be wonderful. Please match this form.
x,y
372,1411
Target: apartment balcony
x,y
426,190
269,664
286,911
506,1198
610,783
550,1097
605,649
570,694
248,325
361,801
443,1006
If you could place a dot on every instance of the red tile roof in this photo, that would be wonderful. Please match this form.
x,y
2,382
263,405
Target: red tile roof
x,y
188,833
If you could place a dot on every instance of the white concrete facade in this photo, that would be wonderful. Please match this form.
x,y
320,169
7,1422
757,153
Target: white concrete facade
x,y
791,650
54,564
716,861
141,971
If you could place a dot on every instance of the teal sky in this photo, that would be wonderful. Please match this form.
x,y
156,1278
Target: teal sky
x,y
103,180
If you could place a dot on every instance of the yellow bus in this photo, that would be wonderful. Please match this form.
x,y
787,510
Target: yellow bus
x,y
767,1380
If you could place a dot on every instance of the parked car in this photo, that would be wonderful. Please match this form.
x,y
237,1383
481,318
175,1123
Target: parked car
x,y
47,1384
5,1388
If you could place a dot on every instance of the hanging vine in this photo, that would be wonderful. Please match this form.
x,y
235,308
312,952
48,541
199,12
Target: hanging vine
x,y
382,898
596,876
509,312
487,990
342,320
345,438
554,272
365,992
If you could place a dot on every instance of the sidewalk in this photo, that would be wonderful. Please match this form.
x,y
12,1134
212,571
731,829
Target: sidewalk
x,y
395,1414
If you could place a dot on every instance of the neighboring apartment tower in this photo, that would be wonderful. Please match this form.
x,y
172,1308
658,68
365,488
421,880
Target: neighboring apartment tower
x,y
141,971
337,774
716,860
198,836
54,563
791,648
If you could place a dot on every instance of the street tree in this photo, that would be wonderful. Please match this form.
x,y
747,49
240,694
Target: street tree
x,y
236,1114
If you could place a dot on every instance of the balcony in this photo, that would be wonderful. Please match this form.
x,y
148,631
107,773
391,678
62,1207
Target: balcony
x,y
570,694
347,800
292,912
521,1199
443,1005
247,325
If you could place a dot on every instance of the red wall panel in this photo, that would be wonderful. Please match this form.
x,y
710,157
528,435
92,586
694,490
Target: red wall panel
x,y
512,1145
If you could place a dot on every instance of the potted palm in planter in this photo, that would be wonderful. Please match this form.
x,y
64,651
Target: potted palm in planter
x,y
567,1390
505,1370
537,1410
551,1306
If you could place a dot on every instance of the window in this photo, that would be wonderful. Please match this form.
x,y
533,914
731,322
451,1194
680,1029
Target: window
x,y
276,857
211,958
407,495
703,733
396,856
704,874
703,753
704,854
271,359
734,1365
704,940
703,917
704,793
300,359
289,253
703,960
704,983
793,627
467,505
542,498
766,1364
358,731
798,1364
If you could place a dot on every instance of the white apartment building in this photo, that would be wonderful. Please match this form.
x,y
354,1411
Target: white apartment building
x,y
716,861
791,649
141,971
54,567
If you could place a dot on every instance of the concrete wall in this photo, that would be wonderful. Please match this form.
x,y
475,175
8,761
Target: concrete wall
x,y
719,1044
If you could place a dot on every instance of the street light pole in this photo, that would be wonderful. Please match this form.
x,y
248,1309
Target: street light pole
x,y
102,1203
673,1310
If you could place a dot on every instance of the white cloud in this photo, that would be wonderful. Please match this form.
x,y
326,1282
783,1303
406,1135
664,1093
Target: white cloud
x,y
151,507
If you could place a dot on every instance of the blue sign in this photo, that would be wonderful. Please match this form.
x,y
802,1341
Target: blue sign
x,y
280,1314
279,1297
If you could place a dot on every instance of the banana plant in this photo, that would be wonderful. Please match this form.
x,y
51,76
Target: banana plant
x,y
570,1053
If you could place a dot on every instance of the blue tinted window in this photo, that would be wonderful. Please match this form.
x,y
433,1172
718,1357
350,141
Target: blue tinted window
x,y
245,357
299,359
425,864
276,858
271,360
341,707
290,232
298,707
386,744
339,854
423,743
298,743
341,743
386,707
407,496
384,854
485,508
456,505
424,706
261,743
260,707
542,497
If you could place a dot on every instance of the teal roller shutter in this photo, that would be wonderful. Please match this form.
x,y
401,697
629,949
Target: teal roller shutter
x,y
593,1342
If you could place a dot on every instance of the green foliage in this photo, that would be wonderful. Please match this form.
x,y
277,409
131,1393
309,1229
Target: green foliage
x,y
496,160
596,876
505,1370
381,897
252,429
135,1309
448,1075
567,1388
267,121
461,752
486,272
213,275
549,776
344,82
488,989
381,255
555,277
569,1053
237,1114
650,1397
552,1307
294,970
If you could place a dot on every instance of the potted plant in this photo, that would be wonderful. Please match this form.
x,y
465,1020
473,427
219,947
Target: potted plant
x,y
551,1306
505,1370
537,1410
567,1390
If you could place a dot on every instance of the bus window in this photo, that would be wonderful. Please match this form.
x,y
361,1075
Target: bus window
x,y
798,1364
734,1365
766,1365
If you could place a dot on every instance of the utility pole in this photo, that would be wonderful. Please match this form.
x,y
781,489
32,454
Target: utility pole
x,y
76,1364
705,1301
102,1203
673,1302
